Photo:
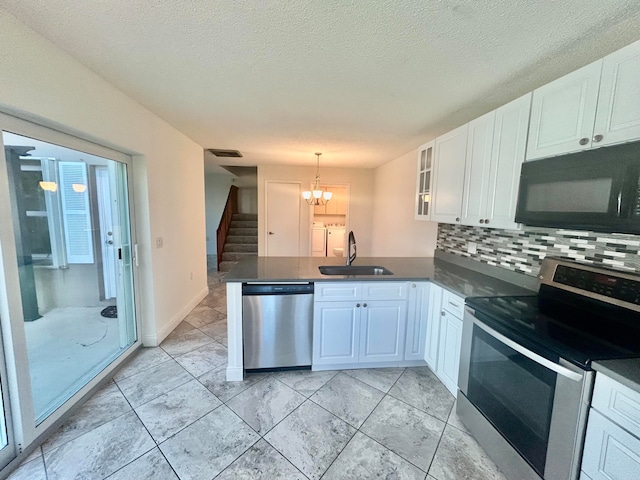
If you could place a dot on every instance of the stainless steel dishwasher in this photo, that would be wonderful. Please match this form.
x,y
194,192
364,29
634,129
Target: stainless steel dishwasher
x,y
277,324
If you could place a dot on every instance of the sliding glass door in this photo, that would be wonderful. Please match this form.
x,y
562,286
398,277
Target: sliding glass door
x,y
7,444
72,238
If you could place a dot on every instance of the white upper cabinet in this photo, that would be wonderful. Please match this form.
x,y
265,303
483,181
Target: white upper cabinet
x,y
477,169
424,179
448,181
495,151
594,106
507,155
562,113
618,113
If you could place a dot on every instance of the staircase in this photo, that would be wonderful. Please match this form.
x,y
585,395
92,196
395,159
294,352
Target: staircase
x,y
242,240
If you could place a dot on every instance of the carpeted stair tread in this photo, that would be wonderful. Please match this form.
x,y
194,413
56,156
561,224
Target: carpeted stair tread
x,y
245,216
236,256
243,224
241,247
243,231
242,239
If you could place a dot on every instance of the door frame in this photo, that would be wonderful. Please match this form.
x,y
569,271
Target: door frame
x,y
346,217
25,431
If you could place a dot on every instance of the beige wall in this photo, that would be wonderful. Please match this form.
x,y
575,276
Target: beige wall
x,y
360,214
41,82
395,233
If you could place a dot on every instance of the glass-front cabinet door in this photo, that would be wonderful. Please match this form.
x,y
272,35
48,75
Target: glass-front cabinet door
x,y
423,181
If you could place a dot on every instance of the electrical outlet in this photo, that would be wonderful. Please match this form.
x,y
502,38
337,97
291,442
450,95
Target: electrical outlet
x,y
472,248
158,242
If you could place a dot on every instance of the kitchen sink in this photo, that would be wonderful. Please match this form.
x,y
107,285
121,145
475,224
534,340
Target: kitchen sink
x,y
354,270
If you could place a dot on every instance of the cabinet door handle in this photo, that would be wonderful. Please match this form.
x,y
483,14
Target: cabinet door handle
x,y
442,313
486,221
481,220
583,141
270,233
364,305
457,219
597,138
357,305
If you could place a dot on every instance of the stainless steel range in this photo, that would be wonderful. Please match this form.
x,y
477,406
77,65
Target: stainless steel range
x,y
525,370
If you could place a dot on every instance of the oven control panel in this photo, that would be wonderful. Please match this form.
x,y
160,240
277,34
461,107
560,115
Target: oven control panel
x,y
603,283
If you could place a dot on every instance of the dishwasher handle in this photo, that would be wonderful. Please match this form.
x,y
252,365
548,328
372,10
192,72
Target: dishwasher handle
x,y
277,289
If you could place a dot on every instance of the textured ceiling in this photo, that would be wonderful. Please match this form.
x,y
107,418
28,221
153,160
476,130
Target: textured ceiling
x,y
362,81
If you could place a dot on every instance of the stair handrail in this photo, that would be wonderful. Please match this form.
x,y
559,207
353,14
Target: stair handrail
x,y
230,208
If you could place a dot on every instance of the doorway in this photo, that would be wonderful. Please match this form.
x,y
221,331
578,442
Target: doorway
x,y
329,223
72,270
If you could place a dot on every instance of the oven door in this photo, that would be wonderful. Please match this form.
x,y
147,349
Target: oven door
x,y
537,405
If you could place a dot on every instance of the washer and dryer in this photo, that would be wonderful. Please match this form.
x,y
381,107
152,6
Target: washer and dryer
x,y
335,241
319,240
327,241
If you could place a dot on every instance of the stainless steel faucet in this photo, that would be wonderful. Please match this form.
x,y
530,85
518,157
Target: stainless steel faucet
x,y
352,243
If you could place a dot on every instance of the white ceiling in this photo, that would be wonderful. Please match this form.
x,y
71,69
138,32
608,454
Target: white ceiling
x,y
363,81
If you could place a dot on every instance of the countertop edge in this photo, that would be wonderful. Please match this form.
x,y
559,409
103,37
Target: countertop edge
x,y
625,371
455,278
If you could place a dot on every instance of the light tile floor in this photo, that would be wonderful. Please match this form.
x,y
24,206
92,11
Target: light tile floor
x,y
170,414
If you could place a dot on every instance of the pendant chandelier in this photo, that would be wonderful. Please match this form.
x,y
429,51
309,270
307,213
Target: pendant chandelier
x,y
317,196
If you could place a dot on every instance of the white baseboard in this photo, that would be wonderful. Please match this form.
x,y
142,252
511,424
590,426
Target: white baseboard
x,y
154,341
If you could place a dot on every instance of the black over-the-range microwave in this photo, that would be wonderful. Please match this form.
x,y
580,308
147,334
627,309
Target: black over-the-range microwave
x,y
595,190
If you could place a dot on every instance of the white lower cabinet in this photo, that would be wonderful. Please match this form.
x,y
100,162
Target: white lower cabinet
x,y
336,333
449,344
418,310
444,336
433,326
612,444
382,330
369,322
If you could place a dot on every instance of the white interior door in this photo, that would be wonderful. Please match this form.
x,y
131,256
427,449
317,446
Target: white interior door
x,y
283,219
106,232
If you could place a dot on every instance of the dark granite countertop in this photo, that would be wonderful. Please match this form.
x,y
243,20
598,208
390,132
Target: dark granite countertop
x,y
460,280
625,371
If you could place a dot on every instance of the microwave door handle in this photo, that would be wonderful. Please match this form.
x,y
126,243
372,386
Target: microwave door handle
x,y
559,369
619,204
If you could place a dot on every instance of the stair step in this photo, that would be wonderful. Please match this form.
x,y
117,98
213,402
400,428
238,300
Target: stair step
x,y
226,266
236,256
242,239
245,216
241,247
244,224
252,232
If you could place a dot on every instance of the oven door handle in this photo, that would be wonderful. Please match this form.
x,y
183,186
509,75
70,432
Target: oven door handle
x,y
559,369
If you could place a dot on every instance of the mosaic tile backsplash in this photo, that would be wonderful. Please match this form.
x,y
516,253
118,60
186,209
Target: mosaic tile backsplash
x,y
523,251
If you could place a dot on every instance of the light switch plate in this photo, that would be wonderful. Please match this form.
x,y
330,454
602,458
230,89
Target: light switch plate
x,y
472,248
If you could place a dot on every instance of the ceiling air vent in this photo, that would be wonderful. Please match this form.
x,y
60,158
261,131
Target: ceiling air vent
x,y
225,153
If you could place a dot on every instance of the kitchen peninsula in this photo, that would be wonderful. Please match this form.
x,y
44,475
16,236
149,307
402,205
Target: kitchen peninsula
x,y
456,280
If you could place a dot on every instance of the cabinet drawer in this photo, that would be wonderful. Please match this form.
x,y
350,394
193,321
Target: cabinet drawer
x,y
337,291
384,291
452,303
618,402
609,451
